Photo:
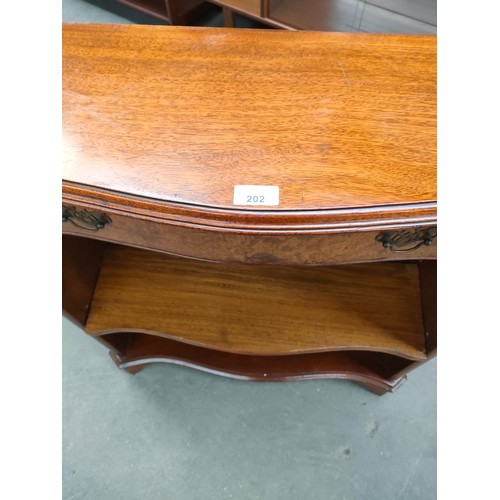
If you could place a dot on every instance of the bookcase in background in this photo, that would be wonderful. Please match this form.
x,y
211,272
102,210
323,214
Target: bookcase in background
x,y
375,16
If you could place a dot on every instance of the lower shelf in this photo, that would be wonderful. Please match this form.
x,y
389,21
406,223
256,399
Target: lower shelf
x,y
378,371
261,310
371,323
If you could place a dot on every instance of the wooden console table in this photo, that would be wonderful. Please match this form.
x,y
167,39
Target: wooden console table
x,y
258,204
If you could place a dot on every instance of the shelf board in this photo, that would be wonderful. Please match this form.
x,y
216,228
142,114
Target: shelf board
x,y
367,367
260,310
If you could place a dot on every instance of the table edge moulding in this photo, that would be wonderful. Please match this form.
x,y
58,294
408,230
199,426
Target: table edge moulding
x,y
256,204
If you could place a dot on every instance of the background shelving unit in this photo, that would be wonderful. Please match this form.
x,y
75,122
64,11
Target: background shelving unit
x,y
176,12
374,16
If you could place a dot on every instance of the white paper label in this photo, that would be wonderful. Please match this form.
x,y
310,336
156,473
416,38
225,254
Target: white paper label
x,y
256,195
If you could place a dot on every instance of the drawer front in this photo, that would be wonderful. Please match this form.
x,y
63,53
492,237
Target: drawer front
x,y
228,246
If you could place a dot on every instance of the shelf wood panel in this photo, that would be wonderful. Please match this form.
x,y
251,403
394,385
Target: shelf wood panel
x,y
260,310
81,261
365,367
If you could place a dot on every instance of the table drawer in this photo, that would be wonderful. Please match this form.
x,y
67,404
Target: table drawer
x,y
214,244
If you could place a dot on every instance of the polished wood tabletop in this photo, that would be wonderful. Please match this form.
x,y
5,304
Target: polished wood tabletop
x,y
179,116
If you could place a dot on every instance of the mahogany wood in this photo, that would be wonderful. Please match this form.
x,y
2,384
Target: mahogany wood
x,y
273,247
81,261
228,17
251,7
160,124
365,367
181,11
118,343
428,287
428,290
262,310
325,116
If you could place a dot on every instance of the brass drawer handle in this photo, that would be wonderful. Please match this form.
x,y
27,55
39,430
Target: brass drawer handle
x,y
396,241
83,218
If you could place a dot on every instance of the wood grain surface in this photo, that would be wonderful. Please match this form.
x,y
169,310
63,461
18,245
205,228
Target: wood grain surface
x,y
81,261
174,118
262,310
285,248
367,367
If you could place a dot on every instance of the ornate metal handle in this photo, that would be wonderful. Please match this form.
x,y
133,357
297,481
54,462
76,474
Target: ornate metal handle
x,y
396,241
83,218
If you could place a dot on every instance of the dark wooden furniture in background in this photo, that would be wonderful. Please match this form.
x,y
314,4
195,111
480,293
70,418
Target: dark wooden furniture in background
x,y
335,279
375,16
176,12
